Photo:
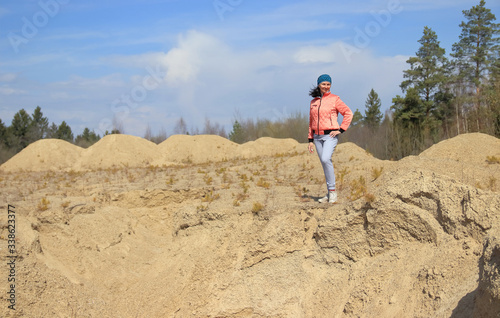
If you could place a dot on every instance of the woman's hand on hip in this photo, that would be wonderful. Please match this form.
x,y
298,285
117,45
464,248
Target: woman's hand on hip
x,y
334,133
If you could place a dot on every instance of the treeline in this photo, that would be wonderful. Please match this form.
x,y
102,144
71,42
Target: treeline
x,y
449,95
443,95
26,128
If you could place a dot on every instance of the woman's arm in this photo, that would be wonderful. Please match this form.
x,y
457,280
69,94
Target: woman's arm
x,y
346,113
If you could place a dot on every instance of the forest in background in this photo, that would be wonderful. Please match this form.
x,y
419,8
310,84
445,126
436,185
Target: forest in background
x,y
443,95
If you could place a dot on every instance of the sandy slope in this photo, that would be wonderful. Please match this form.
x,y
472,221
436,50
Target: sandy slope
x,y
201,227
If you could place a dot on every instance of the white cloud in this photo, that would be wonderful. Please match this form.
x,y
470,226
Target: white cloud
x,y
203,76
195,51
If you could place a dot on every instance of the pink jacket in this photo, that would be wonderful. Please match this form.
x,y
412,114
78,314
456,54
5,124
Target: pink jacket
x,y
324,113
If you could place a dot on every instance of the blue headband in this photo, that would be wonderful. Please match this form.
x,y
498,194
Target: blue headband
x,y
324,78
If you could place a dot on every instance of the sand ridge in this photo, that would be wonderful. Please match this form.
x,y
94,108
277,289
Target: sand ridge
x,y
241,234
131,151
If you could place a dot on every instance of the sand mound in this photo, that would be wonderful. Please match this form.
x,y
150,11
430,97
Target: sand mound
x,y
195,149
247,238
118,151
44,154
463,154
463,158
267,146
131,151
473,147
348,152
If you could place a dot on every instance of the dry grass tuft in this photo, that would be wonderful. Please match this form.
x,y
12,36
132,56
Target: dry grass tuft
x,y
376,173
210,196
43,205
492,160
263,183
358,188
257,207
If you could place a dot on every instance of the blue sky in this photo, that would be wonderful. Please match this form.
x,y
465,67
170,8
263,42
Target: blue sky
x,y
149,63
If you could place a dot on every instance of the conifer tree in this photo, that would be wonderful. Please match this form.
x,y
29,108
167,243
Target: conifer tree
x,y
18,130
64,132
87,138
39,125
408,118
427,73
52,131
476,64
237,135
357,118
477,50
373,115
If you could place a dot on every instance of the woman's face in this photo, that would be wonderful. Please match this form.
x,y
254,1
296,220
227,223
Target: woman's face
x,y
325,87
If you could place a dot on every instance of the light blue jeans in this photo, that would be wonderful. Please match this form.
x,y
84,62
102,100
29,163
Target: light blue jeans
x,y
325,145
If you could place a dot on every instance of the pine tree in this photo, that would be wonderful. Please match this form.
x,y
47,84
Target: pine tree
x,y
476,63
409,110
357,118
427,73
39,125
87,138
64,132
408,119
18,130
52,131
237,134
477,50
373,115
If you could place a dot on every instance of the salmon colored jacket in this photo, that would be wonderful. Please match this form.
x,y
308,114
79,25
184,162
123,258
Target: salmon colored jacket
x,y
323,115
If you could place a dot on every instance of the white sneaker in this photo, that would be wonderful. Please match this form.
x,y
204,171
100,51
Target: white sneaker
x,y
333,197
323,199
330,197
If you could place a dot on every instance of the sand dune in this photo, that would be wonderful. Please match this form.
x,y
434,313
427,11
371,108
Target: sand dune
x,y
198,227
45,154
473,147
196,149
131,151
119,151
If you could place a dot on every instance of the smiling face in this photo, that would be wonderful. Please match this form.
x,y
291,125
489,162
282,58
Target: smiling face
x,y
325,87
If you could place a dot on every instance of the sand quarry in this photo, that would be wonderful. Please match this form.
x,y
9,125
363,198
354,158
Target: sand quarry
x,y
198,226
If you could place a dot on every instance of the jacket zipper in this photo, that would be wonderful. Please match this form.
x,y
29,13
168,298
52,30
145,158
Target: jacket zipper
x,y
320,100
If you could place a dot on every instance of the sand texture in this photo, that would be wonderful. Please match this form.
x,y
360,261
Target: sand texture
x,y
198,226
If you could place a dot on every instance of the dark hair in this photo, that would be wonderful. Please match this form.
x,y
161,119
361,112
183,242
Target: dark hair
x,y
315,92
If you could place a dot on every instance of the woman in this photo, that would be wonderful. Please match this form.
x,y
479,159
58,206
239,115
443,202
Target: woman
x,y
324,129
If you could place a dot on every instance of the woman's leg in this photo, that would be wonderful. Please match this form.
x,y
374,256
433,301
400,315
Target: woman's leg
x,y
325,145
